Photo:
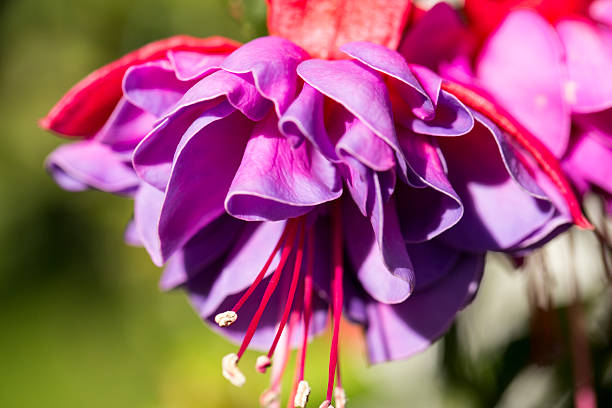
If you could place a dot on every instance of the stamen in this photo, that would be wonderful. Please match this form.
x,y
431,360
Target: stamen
x,y
289,228
231,370
339,397
269,398
302,394
278,368
337,295
292,289
287,248
226,318
307,315
262,364
545,159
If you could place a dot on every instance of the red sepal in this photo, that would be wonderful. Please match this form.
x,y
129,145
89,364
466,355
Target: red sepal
x,y
545,159
321,26
485,15
85,108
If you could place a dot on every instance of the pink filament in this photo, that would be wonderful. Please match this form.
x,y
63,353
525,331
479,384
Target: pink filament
x,y
337,296
290,226
308,284
292,289
287,248
285,351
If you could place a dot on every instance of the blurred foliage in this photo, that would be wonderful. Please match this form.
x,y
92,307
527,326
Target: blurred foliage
x,y
84,324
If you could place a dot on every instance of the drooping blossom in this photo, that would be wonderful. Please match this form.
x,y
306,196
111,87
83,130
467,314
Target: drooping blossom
x,y
269,171
554,79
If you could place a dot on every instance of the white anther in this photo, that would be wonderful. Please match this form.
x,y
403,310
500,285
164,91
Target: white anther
x,y
226,318
269,398
326,404
302,394
340,397
231,370
262,364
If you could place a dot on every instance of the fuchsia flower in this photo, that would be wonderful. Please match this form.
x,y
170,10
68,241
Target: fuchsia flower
x,y
554,80
262,170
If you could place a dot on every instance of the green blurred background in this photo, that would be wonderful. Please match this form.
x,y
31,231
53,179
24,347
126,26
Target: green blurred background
x,y
83,322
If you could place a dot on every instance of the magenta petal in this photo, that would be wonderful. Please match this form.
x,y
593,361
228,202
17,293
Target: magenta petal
x,y
272,62
153,87
591,160
438,37
394,65
202,173
522,66
601,10
276,181
589,63
379,257
399,331
189,65
89,164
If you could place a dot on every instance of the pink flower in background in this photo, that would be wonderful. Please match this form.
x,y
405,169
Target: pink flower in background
x,y
554,79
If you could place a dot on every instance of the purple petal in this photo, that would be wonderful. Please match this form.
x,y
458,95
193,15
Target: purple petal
x,y
276,181
522,66
153,157
378,253
131,236
359,142
89,164
272,62
515,167
426,212
359,89
499,213
153,87
147,208
431,261
244,262
399,331
189,65
304,120
394,65
207,246
205,164
589,63
125,128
